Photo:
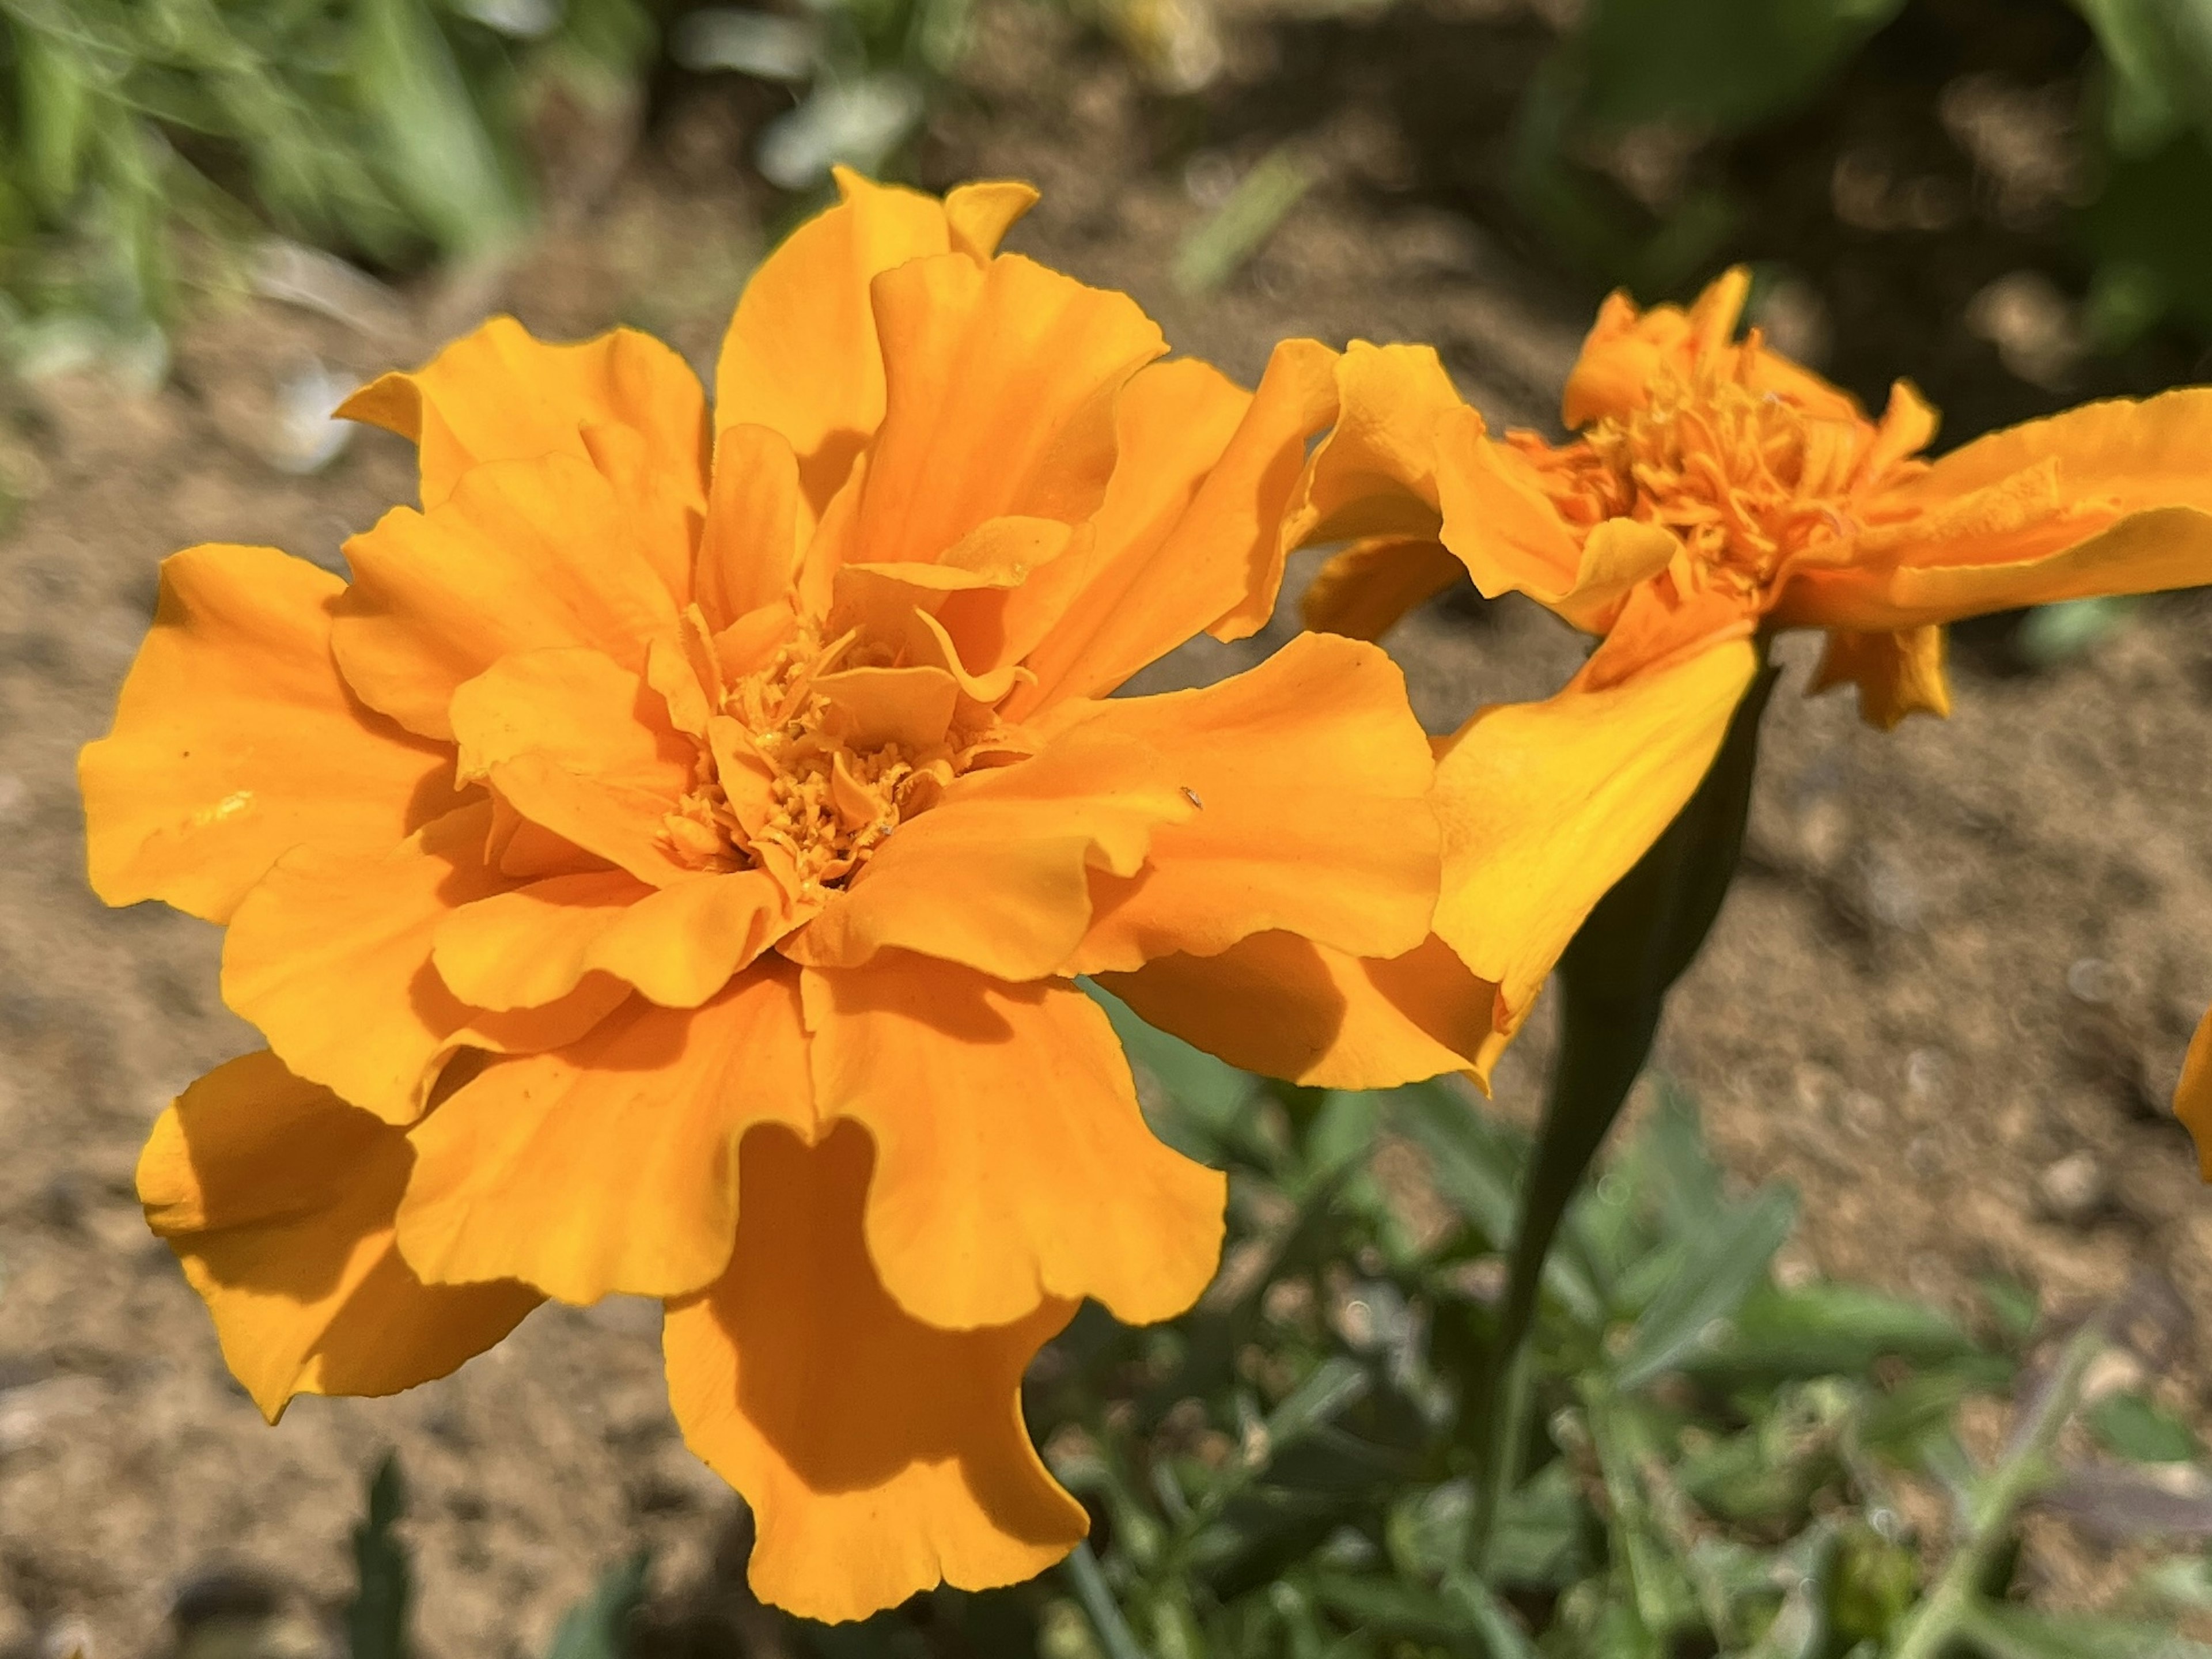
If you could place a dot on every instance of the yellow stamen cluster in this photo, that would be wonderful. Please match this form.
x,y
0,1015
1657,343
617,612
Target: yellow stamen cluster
x,y
775,786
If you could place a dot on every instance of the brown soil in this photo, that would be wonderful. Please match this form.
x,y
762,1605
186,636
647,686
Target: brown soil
x,y
1959,957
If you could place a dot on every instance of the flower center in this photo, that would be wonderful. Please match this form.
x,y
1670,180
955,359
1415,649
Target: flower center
x,y
809,763
1748,478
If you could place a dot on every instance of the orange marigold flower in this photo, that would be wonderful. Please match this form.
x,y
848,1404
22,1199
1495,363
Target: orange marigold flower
x,y
662,870
1716,491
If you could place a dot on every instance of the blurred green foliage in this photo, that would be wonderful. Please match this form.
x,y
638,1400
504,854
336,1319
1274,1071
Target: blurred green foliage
x,y
1712,1454
141,141
1694,71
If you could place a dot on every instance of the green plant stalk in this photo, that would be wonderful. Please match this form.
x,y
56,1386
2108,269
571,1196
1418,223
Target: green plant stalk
x,y
1614,980
1097,1599
1950,1610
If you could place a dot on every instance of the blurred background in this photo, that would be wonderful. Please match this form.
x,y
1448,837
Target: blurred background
x,y
1948,998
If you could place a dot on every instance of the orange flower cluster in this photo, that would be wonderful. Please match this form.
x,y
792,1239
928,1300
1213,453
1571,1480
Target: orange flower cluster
x,y
663,867
1715,491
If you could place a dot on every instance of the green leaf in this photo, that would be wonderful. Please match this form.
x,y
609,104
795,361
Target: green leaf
x,y
1826,1329
1212,251
1723,66
2006,1631
596,1627
376,1617
57,95
2158,64
1722,1268
1208,1101
440,157
2053,633
2132,1427
1488,1615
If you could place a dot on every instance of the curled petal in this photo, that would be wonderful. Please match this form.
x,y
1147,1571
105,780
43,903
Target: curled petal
x,y
1012,1164
1286,1007
801,355
2125,454
277,1198
1375,474
609,1165
1546,805
679,945
1898,673
501,394
330,957
2153,551
582,747
523,556
236,741
881,1455
1245,501
1363,591
1323,724
1002,381
1173,423
2192,1100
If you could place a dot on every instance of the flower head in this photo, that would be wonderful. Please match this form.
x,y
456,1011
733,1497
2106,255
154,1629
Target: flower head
x,y
662,870
1713,491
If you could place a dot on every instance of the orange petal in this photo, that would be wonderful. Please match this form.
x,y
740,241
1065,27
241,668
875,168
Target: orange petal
x,y
277,1198
2125,454
1285,1006
1656,627
236,741
1138,599
583,747
1001,380
997,874
801,355
749,553
1375,474
523,556
677,945
1013,1165
2149,552
880,1457
1505,529
1897,673
330,957
2192,1100
1246,499
1626,348
1546,805
976,216
501,394
1496,517
1310,778
1363,591
611,1165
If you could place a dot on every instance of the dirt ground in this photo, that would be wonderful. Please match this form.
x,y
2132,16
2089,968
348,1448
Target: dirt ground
x,y
1948,998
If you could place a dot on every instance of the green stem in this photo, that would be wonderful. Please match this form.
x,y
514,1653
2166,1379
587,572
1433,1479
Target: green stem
x,y
1603,1047
1613,983
1092,1590
1949,1609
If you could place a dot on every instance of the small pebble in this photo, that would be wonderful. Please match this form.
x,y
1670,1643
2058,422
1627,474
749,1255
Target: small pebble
x,y
2073,1189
